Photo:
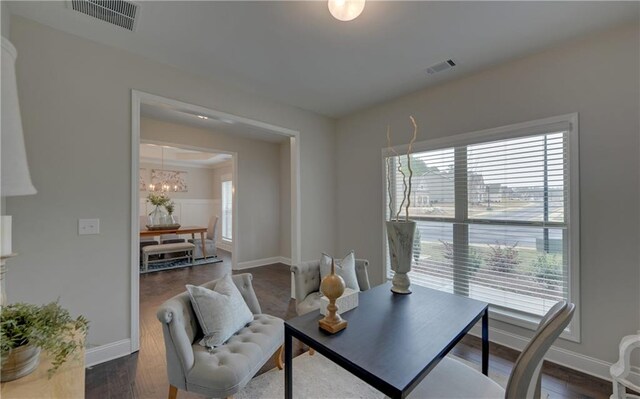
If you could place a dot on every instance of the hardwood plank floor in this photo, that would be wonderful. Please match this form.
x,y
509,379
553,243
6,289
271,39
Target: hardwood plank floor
x,y
143,375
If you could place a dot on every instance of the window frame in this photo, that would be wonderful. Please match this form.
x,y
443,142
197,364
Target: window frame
x,y
226,179
566,122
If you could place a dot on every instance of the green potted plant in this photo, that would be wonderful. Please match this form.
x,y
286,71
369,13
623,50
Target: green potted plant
x,y
171,207
27,329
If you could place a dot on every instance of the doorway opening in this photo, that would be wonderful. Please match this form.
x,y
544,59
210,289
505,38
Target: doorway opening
x,y
195,187
227,184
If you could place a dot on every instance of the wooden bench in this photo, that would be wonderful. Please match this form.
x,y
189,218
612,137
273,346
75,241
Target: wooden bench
x,y
161,249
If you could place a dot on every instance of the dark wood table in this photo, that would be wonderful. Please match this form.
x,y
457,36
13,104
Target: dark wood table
x,y
193,230
392,341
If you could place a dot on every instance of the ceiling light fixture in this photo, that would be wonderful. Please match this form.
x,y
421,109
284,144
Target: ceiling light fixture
x,y
346,10
163,186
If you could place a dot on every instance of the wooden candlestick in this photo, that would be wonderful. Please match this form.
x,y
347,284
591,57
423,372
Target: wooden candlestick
x,y
332,286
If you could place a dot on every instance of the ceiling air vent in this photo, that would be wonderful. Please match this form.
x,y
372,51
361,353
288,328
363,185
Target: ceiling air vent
x,y
442,66
117,12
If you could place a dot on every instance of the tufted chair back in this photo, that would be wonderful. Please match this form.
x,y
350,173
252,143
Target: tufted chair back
x,y
180,327
306,277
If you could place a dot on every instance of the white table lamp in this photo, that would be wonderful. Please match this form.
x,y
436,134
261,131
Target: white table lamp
x,y
14,171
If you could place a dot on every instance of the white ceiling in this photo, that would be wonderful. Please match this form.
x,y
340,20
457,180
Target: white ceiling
x,y
180,116
169,155
296,53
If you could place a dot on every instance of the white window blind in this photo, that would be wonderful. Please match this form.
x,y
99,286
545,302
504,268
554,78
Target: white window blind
x,y
227,210
491,218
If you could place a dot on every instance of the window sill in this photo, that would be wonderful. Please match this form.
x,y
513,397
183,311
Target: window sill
x,y
528,322
525,321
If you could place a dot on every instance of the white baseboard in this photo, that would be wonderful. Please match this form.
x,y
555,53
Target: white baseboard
x,y
285,261
263,262
225,247
573,360
104,353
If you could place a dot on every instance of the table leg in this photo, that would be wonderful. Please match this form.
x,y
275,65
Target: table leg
x,y
485,342
204,250
288,365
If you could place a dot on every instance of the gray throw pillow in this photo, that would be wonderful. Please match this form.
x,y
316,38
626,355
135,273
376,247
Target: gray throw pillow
x,y
221,311
345,268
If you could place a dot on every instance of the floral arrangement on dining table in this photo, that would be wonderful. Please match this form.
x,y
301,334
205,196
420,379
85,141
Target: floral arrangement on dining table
x,y
160,217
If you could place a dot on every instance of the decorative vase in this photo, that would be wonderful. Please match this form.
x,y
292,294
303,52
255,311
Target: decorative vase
x,y
21,361
400,235
332,286
158,217
171,220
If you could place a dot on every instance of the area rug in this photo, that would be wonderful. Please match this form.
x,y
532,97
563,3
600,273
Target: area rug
x,y
176,264
316,377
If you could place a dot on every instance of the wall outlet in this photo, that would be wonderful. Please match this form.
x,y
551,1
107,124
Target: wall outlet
x,y
88,226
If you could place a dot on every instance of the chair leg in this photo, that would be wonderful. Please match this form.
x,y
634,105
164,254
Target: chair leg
x,y
279,358
173,392
311,351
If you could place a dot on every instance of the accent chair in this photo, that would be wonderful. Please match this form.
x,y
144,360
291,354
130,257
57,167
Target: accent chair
x,y
454,379
222,371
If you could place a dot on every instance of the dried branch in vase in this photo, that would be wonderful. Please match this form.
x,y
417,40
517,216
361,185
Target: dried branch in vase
x,y
406,193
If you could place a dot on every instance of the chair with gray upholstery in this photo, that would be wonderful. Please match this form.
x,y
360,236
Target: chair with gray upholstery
x,y
306,278
225,370
453,379
209,242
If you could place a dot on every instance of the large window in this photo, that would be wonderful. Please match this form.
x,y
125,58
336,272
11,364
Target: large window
x,y
227,210
494,216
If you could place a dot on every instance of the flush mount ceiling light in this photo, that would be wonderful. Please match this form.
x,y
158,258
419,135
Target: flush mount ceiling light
x,y
346,10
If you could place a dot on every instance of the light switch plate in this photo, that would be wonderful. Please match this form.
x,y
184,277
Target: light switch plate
x,y
88,226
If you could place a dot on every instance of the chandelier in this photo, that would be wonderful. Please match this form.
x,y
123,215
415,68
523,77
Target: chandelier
x,y
163,186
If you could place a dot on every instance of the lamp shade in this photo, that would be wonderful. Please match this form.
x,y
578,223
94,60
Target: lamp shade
x,y
14,172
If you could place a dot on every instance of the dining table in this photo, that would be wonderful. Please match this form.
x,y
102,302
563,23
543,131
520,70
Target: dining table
x,y
193,230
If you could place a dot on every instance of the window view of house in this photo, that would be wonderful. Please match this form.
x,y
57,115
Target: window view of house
x,y
491,220
227,210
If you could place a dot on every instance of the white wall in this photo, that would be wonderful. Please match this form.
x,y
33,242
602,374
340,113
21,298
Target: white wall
x,y
5,26
76,104
5,23
285,200
597,77
222,170
258,182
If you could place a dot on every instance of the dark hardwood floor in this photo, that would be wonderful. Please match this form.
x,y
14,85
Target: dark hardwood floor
x,y
143,374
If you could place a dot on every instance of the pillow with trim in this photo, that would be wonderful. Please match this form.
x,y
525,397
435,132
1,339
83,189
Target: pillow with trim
x,y
345,268
221,311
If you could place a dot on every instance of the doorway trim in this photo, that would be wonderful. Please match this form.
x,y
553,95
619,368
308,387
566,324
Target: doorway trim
x,y
139,97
